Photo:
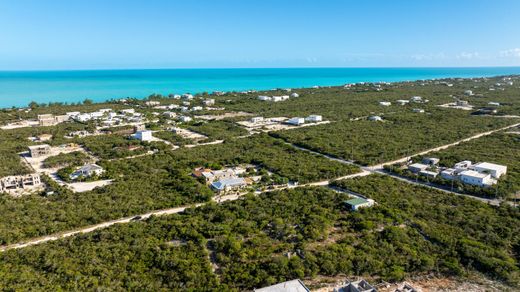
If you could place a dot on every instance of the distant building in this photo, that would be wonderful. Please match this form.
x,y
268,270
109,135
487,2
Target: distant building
x,y
152,103
385,103
209,102
313,118
431,161
185,119
427,173
294,94
475,178
450,174
289,286
463,164
229,184
264,98
375,118
87,171
17,183
256,119
356,203
417,167
416,99
129,111
402,101
462,103
356,286
468,92
418,110
495,170
187,96
295,121
39,150
143,135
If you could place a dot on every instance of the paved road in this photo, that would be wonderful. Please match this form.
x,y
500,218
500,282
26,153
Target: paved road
x,y
379,168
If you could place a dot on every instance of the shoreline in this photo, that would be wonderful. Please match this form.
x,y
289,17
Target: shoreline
x,y
101,86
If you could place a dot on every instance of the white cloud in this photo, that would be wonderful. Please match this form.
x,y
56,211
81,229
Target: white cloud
x,y
468,56
511,53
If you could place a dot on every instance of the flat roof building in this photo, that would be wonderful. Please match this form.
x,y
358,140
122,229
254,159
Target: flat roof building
x,y
289,286
39,150
475,178
357,203
496,170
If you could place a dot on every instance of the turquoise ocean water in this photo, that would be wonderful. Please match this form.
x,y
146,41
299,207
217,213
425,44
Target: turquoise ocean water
x,y
18,88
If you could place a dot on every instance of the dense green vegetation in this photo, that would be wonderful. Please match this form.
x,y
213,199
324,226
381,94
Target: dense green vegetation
x,y
128,195
269,153
369,142
218,130
75,158
167,173
299,233
460,233
114,146
170,136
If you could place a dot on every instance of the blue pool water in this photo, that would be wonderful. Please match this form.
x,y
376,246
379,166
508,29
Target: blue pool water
x,y
18,88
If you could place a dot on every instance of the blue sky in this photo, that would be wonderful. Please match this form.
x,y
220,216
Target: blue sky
x,y
97,34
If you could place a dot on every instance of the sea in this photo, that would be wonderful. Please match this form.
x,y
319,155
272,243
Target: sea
x,y
19,88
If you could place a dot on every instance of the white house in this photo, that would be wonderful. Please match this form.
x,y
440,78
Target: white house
x,y
375,118
169,114
385,103
475,178
418,110
185,119
468,92
196,108
229,184
416,99
295,121
313,118
495,170
264,98
129,111
209,102
83,117
72,114
427,173
294,94
143,135
187,96
152,103
463,164
87,171
449,174
358,203
256,119
402,101
417,167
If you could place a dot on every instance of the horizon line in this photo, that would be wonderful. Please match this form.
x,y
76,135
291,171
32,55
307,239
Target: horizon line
x,y
234,68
